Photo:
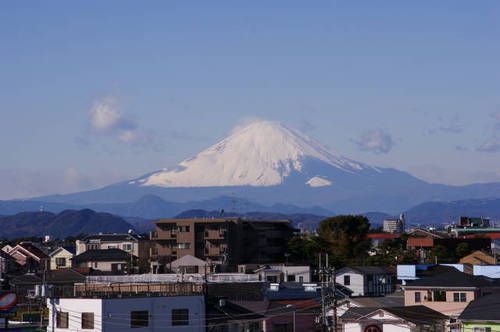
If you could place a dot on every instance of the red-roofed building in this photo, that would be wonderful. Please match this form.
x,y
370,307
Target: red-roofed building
x,y
419,242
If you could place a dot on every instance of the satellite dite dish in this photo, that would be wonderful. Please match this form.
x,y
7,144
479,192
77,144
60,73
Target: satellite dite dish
x,y
7,301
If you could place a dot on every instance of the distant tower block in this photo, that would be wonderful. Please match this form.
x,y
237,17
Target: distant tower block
x,y
394,225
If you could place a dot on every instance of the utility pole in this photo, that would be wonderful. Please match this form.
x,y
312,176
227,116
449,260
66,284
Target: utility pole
x,y
334,291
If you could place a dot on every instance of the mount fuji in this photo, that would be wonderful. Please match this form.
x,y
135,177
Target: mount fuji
x,y
269,163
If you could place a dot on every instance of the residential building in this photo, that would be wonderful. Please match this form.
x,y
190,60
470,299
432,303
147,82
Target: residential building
x,y
278,272
401,319
223,241
482,314
61,257
121,314
370,302
449,292
478,257
110,260
366,280
30,257
190,264
394,225
130,243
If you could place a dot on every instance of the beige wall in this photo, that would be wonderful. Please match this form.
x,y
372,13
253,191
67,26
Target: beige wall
x,y
448,308
103,266
61,254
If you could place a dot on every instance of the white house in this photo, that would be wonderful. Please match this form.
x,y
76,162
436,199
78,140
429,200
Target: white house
x,y
366,280
145,314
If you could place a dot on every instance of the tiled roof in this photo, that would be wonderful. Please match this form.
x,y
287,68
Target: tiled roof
x,y
455,279
112,237
33,250
485,308
418,314
380,302
102,255
382,236
366,270
420,242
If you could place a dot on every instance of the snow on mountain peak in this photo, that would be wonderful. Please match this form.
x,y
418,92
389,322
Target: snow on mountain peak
x,y
262,153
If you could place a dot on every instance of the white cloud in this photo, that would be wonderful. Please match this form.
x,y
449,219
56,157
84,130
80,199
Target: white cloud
x,y
377,141
107,120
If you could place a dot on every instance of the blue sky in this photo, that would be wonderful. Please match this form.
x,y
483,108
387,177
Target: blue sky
x,y
96,92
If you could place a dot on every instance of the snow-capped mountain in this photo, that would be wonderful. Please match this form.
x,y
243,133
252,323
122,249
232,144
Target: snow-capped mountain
x,y
262,153
268,163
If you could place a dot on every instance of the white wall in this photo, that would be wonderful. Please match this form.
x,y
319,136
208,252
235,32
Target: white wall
x,y
113,315
74,308
356,285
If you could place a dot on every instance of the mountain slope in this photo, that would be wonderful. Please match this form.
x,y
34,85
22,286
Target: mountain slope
x,y
267,163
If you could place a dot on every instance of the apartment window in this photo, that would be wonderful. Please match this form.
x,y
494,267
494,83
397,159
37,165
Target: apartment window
x,y
61,261
87,320
62,319
459,297
183,228
417,297
139,319
127,247
347,280
180,317
186,245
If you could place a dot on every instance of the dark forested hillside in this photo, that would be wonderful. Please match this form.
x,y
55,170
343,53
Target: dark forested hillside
x,y
66,223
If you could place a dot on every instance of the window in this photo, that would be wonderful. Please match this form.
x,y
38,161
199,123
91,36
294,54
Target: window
x,y
459,297
87,320
417,297
112,247
60,261
301,279
93,246
347,280
139,319
183,228
180,317
62,320
436,296
291,277
186,245
127,247
95,264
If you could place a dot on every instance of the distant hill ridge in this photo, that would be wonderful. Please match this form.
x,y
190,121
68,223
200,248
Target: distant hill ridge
x,y
66,223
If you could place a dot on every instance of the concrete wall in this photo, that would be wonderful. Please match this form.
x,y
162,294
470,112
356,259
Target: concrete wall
x,y
113,315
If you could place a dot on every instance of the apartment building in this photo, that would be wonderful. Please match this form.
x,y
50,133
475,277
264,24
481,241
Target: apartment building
x,y
224,241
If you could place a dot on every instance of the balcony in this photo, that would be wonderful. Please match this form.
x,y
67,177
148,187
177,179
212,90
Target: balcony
x,y
163,235
215,234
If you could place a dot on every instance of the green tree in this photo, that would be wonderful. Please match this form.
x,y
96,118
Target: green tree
x,y
442,254
462,250
346,236
304,249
